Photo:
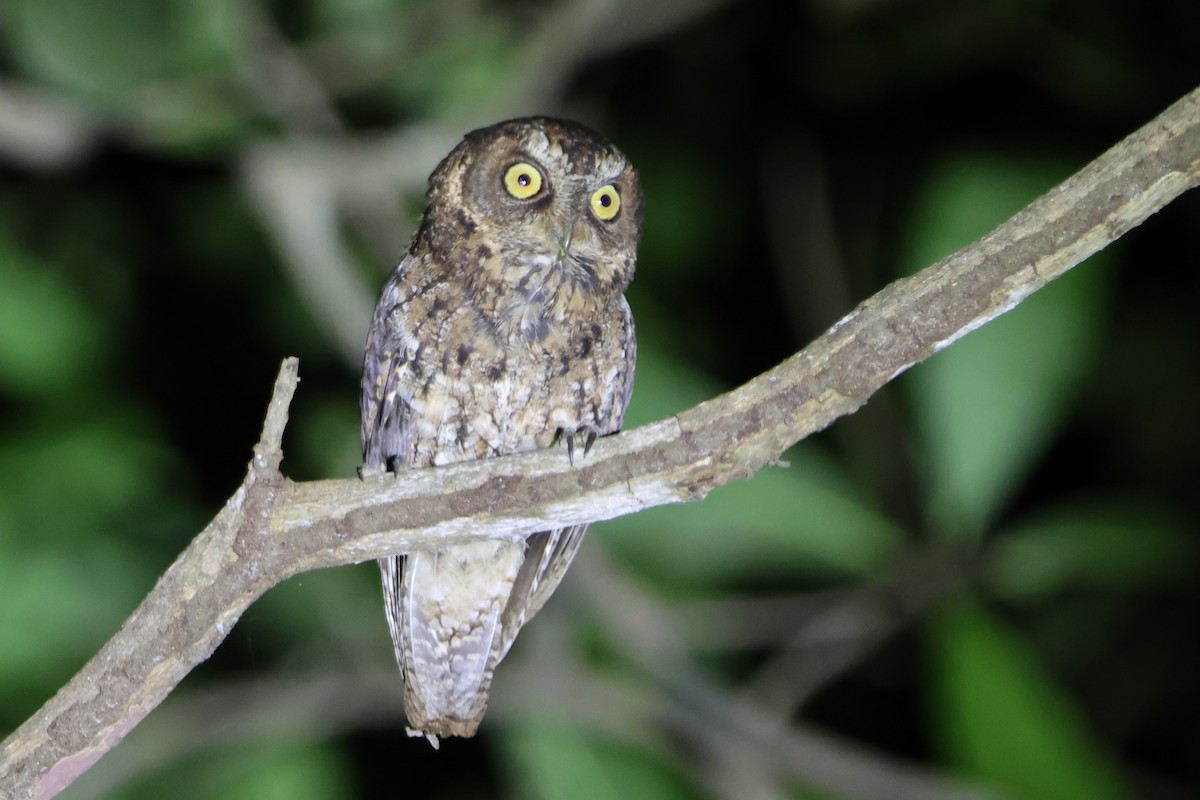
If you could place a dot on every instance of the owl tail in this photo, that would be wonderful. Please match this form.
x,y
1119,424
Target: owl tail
x,y
444,611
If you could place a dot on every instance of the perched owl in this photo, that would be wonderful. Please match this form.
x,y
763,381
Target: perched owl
x,y
504,329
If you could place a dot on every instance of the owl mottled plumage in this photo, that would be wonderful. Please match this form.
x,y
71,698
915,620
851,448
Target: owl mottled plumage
x,y
504,329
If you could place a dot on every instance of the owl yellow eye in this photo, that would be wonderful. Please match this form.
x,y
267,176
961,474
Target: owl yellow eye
x,y
522,180
606,202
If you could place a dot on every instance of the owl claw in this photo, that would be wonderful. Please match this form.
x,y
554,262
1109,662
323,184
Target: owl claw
x,y
563,435
367,472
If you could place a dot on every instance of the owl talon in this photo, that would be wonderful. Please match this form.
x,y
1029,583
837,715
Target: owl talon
x,y
568,436
369,472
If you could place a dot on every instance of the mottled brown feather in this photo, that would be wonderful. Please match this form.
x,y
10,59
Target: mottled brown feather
x,y
503,329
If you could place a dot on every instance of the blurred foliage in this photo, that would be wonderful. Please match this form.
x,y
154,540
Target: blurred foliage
x,y
192,189
1021,735
550,760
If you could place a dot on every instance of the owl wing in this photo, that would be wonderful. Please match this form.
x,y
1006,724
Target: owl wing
x,y
548,554
386,430
385,414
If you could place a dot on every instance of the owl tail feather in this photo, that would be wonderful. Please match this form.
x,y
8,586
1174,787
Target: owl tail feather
x,y
444,612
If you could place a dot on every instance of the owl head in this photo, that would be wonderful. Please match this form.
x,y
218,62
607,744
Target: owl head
x,y
533,193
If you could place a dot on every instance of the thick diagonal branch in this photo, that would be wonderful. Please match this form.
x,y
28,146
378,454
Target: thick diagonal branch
x,y
273,528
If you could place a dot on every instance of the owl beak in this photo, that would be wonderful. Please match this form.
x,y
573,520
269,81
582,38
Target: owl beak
x,y
564,233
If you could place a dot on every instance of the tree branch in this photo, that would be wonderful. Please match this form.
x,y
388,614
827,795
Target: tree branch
x,y
273,528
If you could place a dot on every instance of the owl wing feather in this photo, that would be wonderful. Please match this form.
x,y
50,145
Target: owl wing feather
x,y
384,418
384,412
547,556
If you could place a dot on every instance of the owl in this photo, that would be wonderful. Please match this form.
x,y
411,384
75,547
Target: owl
x,y
504,329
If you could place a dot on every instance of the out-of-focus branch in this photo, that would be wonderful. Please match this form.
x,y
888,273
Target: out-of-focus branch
x,y
272,528
40,130
737,744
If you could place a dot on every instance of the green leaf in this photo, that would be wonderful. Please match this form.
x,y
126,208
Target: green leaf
x,y
55,612
47,333
112,460
105,49
75,502
279,773
554,760
267,771
1000,718
989,405
161,68
1103,546
463,71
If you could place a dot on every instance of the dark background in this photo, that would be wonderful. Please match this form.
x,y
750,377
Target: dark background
x,y
983,582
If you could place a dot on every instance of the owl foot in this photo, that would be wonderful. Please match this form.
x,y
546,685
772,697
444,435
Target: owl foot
x,y
588,434
368,472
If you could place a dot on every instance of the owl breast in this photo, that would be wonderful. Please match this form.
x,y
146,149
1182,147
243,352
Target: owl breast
x,y
485,381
